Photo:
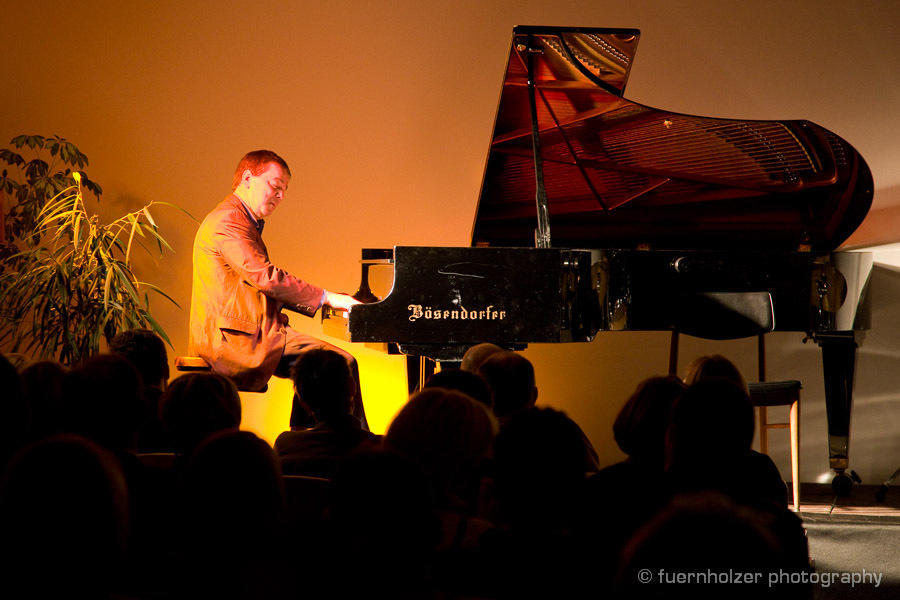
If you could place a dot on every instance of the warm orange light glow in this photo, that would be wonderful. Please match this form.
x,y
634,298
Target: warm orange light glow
x,y
383,387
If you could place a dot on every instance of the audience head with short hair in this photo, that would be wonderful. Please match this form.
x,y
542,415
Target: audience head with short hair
x,y
715,366
63,518
234,490
701,534
448,434
511,379
103,401
476,355
324,385
147,352
640,427
470,384
382,526
197,405
539,462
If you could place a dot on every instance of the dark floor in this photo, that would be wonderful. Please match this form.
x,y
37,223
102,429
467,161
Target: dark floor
x,y
855,535
818,499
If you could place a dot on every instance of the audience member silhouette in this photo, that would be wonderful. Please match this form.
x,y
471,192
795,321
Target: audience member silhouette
x,y
635,489
63,520
511,379
323,386
13,425
233,518
717,366
476,355
469,383
197,405
708,445
103,402
705,535
714,366
539,485
44,385
640,427
146,351
539,470
448,434
381,530
445,506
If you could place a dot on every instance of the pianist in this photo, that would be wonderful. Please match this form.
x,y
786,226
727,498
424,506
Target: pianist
x,y
236,323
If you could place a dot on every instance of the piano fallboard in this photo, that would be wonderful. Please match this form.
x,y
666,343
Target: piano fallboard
x,y
460,296
445,299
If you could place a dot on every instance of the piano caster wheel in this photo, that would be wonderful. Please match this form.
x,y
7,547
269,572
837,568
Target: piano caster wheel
x,y
843,482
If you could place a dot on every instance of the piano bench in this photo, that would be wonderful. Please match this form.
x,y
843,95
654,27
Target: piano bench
x,y
764,394
191,363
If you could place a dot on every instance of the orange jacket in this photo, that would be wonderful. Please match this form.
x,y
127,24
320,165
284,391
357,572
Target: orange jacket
x,y
237,295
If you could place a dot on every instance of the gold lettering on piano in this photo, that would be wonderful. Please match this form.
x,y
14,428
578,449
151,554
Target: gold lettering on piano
x,y
489,313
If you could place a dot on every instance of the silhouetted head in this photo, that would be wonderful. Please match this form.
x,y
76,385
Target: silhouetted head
x,y
476,355
147,352
511,379
640,427
715,366
448,435
234,493
383,499
44,387
539,462
323,383
712,423
470,384
63,517
382,528
700,534
13,423
197,405
103,401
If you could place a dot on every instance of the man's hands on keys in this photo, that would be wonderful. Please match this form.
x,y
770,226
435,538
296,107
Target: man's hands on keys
x,y
340,301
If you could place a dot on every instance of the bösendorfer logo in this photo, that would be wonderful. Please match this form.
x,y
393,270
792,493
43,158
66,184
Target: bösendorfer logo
x,y
490,313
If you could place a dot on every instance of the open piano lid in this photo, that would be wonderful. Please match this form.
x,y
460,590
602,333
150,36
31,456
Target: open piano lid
x,y
622,175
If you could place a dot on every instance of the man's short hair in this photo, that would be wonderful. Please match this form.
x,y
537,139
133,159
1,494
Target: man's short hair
x,y
324,383
511,377
146,351
257,161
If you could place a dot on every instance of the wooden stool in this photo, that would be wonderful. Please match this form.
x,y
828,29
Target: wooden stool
x,y
764,394
780,393
191,363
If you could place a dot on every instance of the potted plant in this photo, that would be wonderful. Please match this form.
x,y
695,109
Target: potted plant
x,y
66,280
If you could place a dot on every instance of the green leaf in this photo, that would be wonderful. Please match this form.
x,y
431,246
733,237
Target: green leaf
x,y
11,158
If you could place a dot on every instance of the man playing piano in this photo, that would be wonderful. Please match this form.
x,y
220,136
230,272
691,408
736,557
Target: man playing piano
x,y
236,323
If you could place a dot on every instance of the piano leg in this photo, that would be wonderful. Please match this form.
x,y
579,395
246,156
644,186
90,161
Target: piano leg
x,y
418,370
838,363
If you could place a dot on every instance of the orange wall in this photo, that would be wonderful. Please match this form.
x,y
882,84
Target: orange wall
x,y
384,111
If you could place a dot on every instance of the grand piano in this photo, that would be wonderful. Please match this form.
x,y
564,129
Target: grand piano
x,y
599,214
